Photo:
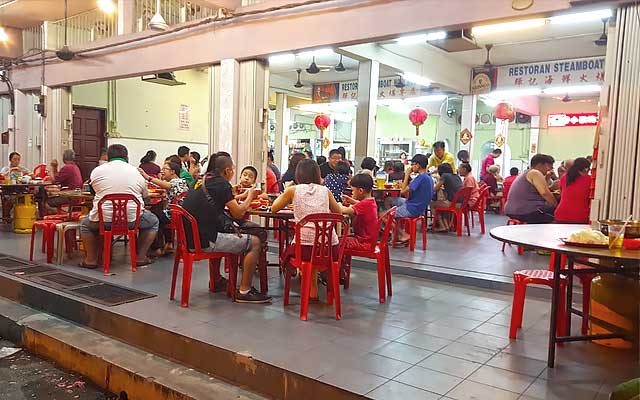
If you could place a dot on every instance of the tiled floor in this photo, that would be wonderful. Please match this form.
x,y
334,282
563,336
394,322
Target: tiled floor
x,y
429,341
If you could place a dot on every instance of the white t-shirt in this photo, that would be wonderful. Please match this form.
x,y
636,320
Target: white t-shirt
x,y
117,177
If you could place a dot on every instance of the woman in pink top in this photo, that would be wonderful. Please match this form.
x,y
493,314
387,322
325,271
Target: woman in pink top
x,y
469,181
309,196
574,204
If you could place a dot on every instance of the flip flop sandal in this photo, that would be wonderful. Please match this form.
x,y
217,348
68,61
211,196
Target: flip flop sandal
x,y
87,266
144,263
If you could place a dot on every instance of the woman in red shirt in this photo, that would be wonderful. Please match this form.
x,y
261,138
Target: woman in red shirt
x,y
574,202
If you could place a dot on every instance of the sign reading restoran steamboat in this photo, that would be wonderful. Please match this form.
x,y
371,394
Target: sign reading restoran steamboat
x,y
541,75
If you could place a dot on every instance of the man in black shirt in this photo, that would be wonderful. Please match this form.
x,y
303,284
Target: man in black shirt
x,y
207,205
329,167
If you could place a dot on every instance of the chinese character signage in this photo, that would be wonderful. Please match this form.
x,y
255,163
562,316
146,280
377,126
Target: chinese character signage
x,y
184,117
465,136
388,88
561,120
325,92
581,71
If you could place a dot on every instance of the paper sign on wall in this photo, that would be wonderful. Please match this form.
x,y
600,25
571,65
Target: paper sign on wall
x,y
184,118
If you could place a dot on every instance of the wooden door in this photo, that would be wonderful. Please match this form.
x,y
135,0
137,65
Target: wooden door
x,y
89,128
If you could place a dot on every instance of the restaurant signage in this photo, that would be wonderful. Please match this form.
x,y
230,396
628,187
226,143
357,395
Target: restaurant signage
x,y
563,120
483,80
388,88
541,75
184,117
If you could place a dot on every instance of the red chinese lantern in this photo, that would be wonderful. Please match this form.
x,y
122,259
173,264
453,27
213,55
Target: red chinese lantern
x,y
322,122
504,110
417,116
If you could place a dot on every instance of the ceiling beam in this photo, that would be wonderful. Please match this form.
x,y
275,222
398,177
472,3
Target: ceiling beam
x,y
421,60
277,31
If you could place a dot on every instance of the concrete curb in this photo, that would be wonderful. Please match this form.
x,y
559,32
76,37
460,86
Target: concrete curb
x,y
110,364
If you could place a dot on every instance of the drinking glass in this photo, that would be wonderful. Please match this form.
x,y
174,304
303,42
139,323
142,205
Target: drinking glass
x,y
616,236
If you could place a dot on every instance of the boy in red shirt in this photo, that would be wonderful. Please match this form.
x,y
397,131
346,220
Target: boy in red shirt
x,y
363,206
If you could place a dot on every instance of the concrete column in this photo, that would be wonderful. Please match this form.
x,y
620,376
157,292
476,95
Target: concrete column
x,y
253,108
18,138
214,110
469,104
534,134
56,126
502,128
368,76
227,106
281,151
126,16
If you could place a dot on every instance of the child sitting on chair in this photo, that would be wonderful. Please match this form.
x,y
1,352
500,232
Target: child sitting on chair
x,y
363,206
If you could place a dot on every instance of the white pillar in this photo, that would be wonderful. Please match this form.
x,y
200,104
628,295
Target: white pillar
x,y
534,134
502,128
368,77
253,121
214,110
126,15
19,140
469,104
240,108
228,99
281,151
56,132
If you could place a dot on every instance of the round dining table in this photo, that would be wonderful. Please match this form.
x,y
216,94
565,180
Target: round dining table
x,y
549,237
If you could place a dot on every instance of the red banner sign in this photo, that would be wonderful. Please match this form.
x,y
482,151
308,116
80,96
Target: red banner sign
x,y
563,120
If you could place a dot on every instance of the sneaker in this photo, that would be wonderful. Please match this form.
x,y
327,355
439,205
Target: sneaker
x,y
220,285
252,297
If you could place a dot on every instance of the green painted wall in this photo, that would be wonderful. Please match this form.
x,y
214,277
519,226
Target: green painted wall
x,y
390,124
517,139
571,142
150,111
92,95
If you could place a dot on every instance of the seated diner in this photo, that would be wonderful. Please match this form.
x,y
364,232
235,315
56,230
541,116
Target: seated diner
x,y
574,203
117,176
529,199
445,190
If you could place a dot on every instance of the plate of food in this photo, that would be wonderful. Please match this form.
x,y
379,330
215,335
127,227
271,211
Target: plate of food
x,y
587,238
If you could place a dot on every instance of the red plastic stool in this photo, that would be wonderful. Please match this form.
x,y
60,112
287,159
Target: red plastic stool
x,y
48,228
585,281
513,221
411,225
534,277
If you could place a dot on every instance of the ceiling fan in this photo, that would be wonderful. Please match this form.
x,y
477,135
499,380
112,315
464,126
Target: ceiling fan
x,y
602,40
487,63
313,67
340,67
298,84
65,53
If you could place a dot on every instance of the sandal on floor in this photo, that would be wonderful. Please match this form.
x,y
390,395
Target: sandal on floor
x,y
143,263
87,266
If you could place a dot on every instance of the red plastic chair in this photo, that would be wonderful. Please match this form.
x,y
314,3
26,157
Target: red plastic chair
x,y
40,171
179,214
378,251
48,228
322,259
479,208
534,277
410,224
119,226
458,212
513,221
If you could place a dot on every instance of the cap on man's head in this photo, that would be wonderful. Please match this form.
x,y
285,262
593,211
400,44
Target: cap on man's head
x,y
420,159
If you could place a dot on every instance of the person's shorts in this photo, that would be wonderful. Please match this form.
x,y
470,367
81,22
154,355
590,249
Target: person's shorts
x,y
230,243
148,221
401,210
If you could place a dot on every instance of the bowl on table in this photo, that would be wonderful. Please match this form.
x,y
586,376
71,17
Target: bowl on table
x,y
256,204
388,185
631,231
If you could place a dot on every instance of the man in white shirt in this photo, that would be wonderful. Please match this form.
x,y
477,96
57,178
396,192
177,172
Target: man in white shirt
x,y
118,176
